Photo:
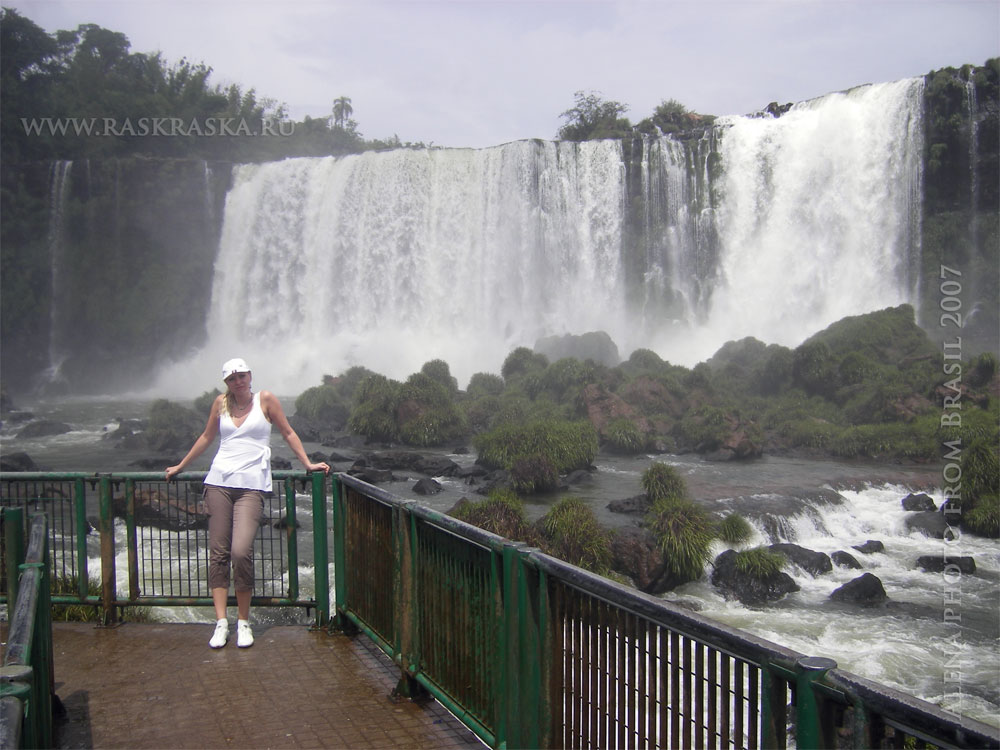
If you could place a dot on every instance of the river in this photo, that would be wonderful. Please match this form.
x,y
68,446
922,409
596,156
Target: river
x,y
910,643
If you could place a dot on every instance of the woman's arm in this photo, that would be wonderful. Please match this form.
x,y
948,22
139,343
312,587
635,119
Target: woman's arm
x,y
276,416
205,439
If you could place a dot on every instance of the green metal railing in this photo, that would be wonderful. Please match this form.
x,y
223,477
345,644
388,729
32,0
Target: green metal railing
x,y
529,651
27,677
157,533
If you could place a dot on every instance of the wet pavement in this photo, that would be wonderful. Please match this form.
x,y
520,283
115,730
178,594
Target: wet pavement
x,y
156,685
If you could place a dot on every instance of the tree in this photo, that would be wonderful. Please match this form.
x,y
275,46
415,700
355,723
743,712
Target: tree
x,y
594,118
342,110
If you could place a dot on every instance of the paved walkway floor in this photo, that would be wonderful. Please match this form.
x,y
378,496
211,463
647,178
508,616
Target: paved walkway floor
x,y
160,686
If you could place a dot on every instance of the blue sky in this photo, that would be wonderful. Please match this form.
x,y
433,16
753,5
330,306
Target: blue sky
x,y
478,73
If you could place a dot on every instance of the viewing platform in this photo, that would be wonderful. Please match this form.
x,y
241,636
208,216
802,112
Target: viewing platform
x,y
160,686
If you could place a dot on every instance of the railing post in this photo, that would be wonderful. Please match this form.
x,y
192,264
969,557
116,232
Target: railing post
x,y
811,725
82,529
292,537
321,550
773,714
405,641
13,529
108,573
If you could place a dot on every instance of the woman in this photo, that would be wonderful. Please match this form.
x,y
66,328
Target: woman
x,y
235,487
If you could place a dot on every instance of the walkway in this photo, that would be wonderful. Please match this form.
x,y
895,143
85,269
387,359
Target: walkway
x,y
161,686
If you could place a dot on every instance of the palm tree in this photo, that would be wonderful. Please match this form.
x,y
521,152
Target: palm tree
x,y
342,110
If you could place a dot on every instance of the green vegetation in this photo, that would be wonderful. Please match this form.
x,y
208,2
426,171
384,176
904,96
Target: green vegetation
x,y
663,482
684,533
572,533
759,562
734,529
501,513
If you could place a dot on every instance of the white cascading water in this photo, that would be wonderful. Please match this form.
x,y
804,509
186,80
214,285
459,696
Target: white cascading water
x,y
392,259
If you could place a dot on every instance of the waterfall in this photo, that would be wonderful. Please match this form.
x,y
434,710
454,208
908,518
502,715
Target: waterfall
x,y
58,184
765,227
970,95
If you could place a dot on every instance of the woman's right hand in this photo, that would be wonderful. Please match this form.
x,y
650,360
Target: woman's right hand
x,y
172,471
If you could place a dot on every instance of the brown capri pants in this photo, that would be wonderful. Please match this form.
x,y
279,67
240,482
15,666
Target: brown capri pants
x,y
233,521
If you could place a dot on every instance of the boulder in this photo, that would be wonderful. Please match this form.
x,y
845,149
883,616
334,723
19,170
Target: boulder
x,y
596,345
43,428
869,547
603,407
371,475
921,502
929,523
427,486
158,508
636,505
939,563
494,480
749,589
436,466
635,553
866,591
19,461
814,563
845,560
402,460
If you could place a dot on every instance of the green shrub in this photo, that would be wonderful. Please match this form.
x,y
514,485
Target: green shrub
x,y
374,415
734,529
322,403
759,562
566,445
984,518
565,378
623,436
684,533
523,361
485,384
572,533
984,367
663,482
533,472
501,513
203,404
438,370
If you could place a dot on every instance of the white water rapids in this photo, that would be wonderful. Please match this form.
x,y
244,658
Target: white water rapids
x,y
392,259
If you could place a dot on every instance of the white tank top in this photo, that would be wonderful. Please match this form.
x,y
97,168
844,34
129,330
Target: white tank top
x,y
244,457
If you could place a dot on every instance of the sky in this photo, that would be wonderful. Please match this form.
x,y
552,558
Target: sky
x,y
478,73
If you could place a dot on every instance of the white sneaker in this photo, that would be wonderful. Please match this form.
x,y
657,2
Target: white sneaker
x,y
244,635
221,634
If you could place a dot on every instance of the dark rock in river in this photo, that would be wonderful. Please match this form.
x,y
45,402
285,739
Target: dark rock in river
x,y
869,547
43,428
436,466
749,589
920,502
637,504
495,480
845,560
402,460
930,523
866,591
814,563
162,510
19,461
427,486
635,553
941,563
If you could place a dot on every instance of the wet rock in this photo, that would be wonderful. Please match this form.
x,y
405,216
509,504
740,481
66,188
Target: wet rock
x,y
636,505
427,486
19,461
921,502
371,475
43,428
845,560
580,476
814,563
865,591
870,547
436,466
469,472
635,553
494,480
929,523
160,509
402,460
940,563
749,589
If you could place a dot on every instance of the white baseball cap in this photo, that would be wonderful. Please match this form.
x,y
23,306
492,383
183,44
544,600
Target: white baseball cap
x,y
233,366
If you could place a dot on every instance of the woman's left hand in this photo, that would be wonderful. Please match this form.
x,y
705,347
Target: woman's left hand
x,y
322,466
